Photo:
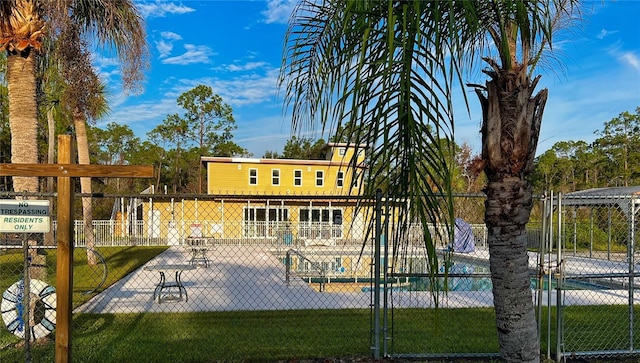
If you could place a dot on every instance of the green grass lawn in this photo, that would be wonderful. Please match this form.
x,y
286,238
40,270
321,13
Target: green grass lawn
x,y
267,336
120,262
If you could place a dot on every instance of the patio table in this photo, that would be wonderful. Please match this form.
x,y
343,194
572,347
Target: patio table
x,y
199,246
163,270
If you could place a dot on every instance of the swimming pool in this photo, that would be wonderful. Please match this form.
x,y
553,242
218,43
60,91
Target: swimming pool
x,y
475,276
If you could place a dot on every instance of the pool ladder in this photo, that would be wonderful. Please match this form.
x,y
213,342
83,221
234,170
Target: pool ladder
x,y
316,265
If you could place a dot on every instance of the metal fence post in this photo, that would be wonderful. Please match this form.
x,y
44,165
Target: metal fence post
x,y
375,349
559,278
631,258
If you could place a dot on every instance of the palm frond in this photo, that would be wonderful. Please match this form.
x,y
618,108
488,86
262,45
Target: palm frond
x,y
383,67
115,24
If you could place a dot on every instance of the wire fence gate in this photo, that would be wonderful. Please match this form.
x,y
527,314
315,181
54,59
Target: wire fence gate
x,y
582,262
165,254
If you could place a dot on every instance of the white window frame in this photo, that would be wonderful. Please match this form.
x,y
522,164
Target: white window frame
x,y
297,179
320,223
275,177
340,179
319,178
253,176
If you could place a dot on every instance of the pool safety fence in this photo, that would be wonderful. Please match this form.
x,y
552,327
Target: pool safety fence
x,y
172,256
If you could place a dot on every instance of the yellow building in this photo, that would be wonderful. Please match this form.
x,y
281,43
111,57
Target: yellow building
x,y
270,201
334,175
308,206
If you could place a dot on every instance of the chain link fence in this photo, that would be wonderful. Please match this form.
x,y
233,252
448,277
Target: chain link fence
x,y
175,259
597,272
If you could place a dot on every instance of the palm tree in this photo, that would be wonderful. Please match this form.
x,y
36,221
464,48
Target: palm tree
x,y
84,97
388,67
24,25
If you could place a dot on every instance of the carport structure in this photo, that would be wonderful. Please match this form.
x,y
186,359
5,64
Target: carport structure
x,y
597,236
613,211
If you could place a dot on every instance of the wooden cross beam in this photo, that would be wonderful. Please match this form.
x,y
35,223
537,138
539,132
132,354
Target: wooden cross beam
x,y
74,170
64,171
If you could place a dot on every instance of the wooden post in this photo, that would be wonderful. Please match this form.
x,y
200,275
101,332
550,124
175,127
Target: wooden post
x,y
64,277
65,171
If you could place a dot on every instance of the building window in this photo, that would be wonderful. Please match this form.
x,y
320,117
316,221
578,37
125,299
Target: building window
x,y
275,176
341,151
264,222
320,223
297,178
340,179
253,176
319,178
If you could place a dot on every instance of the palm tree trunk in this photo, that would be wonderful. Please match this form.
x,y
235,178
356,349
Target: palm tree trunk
x,y
510,131
51,127
23,121
23,116
80,125
51,136
508,207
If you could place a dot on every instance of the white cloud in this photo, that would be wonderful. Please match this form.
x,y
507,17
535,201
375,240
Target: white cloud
x,y
247,90
245,67
170,36
141,116
164,48
604,33
193,54
161,9
632,59
627,57
165,45
238,91
278,11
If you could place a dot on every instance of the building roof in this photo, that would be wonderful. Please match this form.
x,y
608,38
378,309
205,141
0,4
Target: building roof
x,y
345,144
211,159
615,196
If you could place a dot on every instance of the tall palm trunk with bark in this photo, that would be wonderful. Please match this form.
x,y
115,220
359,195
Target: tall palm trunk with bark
x,y
51,136
333,72
512,116
80,125
23,114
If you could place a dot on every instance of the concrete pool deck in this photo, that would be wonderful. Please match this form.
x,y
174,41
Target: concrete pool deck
x,y
253,278
238,278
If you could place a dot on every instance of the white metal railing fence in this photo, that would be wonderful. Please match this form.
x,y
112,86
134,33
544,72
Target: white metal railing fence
x,y
119,233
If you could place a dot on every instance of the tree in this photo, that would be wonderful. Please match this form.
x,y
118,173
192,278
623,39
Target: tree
x,y
116,146
210,121
303,148
23,29
620,142
271,154
206,123
363,64
173,130
470,167
83,95
388,67
5,133
25,24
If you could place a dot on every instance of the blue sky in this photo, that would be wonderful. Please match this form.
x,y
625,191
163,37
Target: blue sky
x,y
236,48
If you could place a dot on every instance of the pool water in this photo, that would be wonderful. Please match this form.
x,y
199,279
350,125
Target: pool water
x,y
477,283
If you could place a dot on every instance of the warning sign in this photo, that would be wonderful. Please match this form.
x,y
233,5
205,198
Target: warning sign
x,y
24,216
